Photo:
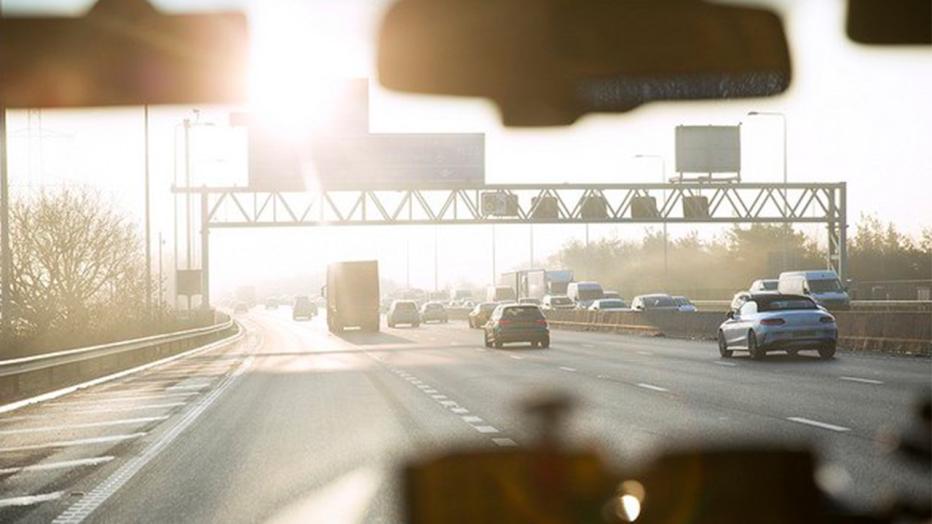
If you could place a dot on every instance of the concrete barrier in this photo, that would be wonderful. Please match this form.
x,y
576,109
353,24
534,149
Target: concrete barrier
x,y
887,331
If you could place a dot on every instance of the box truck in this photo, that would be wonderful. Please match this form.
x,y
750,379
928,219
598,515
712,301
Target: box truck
x,y
352,293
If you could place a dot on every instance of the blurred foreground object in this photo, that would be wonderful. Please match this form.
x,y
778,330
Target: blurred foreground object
x,y
890,22
549,62
123,52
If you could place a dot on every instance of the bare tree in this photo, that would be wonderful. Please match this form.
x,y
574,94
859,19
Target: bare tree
x,y
77,265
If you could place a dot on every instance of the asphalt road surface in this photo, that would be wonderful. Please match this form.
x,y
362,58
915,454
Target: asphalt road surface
x,y
292,424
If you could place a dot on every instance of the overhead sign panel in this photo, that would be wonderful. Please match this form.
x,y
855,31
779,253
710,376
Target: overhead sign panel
x,y
708,149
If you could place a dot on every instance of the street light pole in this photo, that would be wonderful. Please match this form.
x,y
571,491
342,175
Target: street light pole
x,y
786,204
6,272
663,171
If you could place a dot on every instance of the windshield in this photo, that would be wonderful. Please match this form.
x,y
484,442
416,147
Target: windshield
x,y
824,285
157,362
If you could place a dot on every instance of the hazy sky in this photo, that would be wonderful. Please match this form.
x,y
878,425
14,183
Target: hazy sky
x,y
855,114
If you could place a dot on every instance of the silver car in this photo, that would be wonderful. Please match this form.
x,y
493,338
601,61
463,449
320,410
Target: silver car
x,y
776,322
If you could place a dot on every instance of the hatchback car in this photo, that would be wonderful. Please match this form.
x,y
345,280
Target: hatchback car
x,y
403,312
609,304
684,304
433,312
777,322
303,308
517,323
480,314
557,302
654,302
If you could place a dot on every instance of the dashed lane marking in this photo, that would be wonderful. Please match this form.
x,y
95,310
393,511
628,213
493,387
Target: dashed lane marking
x,y
818,424
70,427
861,380
459,411
720,363
29,500
504,442
651,387
64,464
648,353
564,368
75,442
471,419
486,429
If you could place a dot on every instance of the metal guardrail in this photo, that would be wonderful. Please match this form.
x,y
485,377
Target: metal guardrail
x,y
34,375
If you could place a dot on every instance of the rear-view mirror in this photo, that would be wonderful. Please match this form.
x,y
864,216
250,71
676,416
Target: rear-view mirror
x,y
730,315
548,62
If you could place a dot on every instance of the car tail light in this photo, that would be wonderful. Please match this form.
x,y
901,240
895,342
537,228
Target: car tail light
x,y
504,322
827,320
773,322
541,322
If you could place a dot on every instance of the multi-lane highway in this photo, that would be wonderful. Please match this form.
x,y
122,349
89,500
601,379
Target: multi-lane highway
x,y
294,424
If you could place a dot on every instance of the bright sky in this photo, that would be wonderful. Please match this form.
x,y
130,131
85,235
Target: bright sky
x,y
855,114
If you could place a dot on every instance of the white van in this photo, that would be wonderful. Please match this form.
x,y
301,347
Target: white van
x,y
823,286
584,293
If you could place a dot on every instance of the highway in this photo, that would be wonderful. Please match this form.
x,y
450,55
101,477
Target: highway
x,y
293,424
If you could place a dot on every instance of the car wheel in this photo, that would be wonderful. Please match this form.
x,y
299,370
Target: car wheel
x,y
545,343
757,352
723,346
498,344
535,343
827,351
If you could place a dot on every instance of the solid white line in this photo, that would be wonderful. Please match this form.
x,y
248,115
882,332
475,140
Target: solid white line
x,y
651,387
471,419
504,442
485,429
564,368
816,423
862,380
76,442
720,363
81,509
107,423
189,386
109,409
45,466
29,500
70,389
119,399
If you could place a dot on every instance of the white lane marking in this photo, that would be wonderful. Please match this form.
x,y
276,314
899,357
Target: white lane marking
x,y
486,429
720,363
861,380
46,466
423,386
29,500
75,442
431,391
564,368
472,418
438,397
346,499
504,442
109,409
187,386
448,403
69,427
71,389
459,411
516,357
588,346
81,509
644,353
651,387
816,423
601,376
119,399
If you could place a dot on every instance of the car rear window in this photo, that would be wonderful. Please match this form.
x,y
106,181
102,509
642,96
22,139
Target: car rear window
x,y
433,306
785,304
658,302
769,285
560,301
522,313
405,306
605,304
824,286
488,307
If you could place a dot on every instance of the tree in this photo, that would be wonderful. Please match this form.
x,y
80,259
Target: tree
x,y
77,265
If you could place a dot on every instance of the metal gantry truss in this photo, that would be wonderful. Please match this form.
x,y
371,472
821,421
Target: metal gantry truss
x,y
566,204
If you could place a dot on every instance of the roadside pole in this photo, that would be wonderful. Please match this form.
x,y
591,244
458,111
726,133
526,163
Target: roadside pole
x,y
6,260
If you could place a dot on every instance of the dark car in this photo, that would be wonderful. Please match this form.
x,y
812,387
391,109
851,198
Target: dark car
x,y
303,308
433,311
517,323
481,313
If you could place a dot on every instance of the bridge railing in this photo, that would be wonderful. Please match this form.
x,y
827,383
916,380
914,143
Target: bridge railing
x,y
27,377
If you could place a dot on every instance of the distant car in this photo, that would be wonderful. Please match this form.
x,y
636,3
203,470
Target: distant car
x,y
271,303
557,302
654,302
480,314
403,312
241,307
609,304
611,294
764,285
778,322
683,304
303,308
517,323
529,300
433,311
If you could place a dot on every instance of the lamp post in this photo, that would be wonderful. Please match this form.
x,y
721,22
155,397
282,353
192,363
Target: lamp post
x,y
786,205
663,171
